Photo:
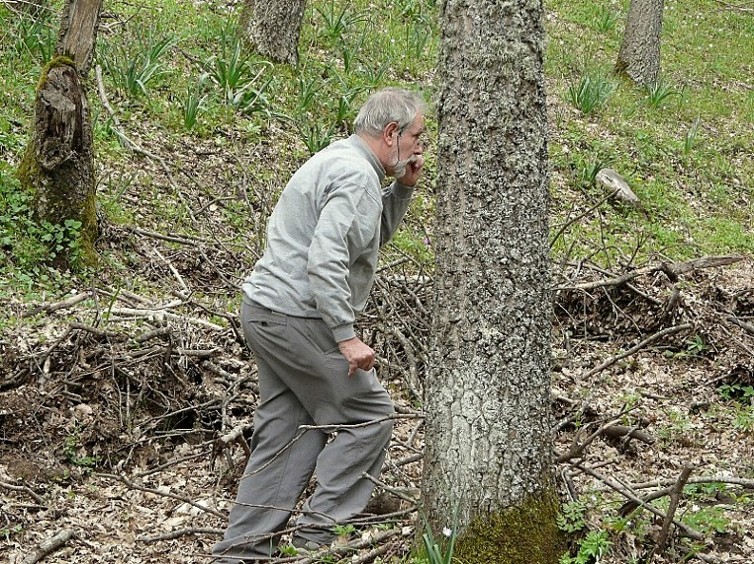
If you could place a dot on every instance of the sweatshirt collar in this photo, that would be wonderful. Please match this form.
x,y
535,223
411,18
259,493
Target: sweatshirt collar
x,y
362,148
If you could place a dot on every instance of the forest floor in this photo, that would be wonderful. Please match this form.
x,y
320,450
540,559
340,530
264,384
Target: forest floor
x,y
125,417
126,400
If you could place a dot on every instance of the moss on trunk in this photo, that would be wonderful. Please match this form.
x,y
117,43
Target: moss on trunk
x,y
57,165
523,534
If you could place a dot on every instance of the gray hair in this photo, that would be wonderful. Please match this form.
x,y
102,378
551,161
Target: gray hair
x,y
387,105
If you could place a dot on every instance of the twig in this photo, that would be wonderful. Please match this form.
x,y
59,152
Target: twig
x,y
395,491
130,484
743,482
625,491
672,270
675,497
178,533
26,489
175,272
663,333
736,7
160,314
49,546
573,220
168,238
748,327
622,431
115,126
64,304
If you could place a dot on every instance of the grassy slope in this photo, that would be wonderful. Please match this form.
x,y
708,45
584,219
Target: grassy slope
x,y
687,157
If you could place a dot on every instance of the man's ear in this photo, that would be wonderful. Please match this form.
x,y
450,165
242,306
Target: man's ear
x,y
390,133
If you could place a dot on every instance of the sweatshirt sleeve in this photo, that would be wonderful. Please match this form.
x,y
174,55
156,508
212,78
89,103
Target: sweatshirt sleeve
x,y
348,220
395,201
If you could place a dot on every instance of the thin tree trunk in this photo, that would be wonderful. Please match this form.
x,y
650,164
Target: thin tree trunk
x,y
57,166
488,447
639,55
273,27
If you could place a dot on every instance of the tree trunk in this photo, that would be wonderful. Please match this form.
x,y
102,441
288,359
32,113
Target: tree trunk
x,y
272,27
488,463
57,166
639,55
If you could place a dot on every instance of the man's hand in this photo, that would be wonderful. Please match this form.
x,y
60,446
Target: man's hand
x,y
357,354
413,171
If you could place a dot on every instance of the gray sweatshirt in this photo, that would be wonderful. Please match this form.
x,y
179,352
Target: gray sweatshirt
x,y
324,236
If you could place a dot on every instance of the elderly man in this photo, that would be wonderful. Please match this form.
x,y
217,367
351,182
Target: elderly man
x,y
299,308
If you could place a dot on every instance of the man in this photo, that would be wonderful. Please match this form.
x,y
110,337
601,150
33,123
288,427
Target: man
x,y
299,308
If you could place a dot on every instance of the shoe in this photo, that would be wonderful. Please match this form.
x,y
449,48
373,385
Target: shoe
x,y
305,546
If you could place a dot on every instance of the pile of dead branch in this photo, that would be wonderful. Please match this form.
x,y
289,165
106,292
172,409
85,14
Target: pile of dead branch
x,y
678,308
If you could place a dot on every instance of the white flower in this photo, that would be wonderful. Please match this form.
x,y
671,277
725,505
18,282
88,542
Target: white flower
x,y
447,532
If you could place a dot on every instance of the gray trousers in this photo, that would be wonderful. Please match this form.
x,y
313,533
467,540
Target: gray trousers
x,y
303,380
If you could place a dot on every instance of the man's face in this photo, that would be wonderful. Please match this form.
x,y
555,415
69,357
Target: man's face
x,y
408,145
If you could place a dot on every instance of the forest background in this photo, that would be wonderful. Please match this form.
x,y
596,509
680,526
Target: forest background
x,y
118,382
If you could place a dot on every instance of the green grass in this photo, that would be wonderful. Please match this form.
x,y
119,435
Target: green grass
x,y
681,147
684,145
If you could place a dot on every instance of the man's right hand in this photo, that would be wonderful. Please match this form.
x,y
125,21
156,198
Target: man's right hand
x,y
357,354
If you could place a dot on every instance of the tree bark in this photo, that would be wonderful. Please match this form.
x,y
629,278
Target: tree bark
x,y
639,55
273,27
488,460
78,32
57,166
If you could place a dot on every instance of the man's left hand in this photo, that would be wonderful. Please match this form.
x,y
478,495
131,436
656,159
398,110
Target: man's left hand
x,y
413,171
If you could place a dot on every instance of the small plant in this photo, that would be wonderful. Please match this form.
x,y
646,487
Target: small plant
x,y
738,392
591,93
192,104
242,88
72,450
743,419
690,139
145,68
706,520
315,136
658,92
416,41
605,19
439,554
306,88
591,549
344,530
589,170
135,66
38,38
336,20
288,550
572,517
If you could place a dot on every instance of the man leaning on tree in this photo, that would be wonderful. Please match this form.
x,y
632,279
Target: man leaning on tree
x,y
299,309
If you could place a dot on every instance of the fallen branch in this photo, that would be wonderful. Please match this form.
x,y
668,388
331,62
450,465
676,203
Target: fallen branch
x,y
49,546
673,270
159,314
178,533
130,484
56,306
623,431
26,489
743,482
675,497
625,491
636,348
